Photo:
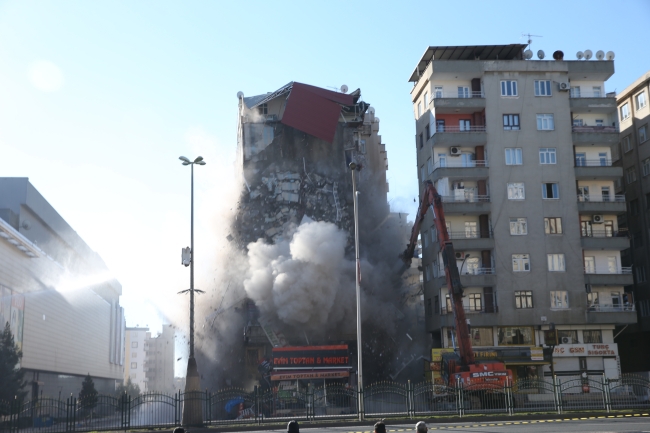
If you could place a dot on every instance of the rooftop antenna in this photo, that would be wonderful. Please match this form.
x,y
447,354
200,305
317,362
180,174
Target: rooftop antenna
x,y
530,40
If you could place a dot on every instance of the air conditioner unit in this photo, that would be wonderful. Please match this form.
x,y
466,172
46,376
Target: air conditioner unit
x,y
566,340
454,151
564,86
597,219
460,255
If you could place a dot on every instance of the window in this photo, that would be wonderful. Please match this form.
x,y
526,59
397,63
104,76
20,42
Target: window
x,y
542,87
547,155
567,336
513,156
634,206
639,271
427,308
134,365
581,159
511,122
508,88
590,265
524,299
603,159
559,299
419,109
442,160
597,91
578,122
555,262
463,92
575,91
470,230
592,336
550,190
440,125
522,335
427,273
643,134
481,336
518,226
134,355
630,174
263,109
426,100
520,263
475,302
427,132
430,165
545,122
626,144
464,125
600,123
134,344
646,167
421,139
625,111
640,100
423,174
425,239
516,191
437,92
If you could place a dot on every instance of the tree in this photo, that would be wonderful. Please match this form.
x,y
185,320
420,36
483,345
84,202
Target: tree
x,y
88,394
11,377
131,389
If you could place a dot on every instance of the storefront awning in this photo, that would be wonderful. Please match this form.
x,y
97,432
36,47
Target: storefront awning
x,y
301,374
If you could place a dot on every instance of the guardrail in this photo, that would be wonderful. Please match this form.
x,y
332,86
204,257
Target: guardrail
x,y
601,162
468,234
459,129
610,308
236,406
602,234
457,95
591,94
460,163
598,198
619,271
467,197
607,129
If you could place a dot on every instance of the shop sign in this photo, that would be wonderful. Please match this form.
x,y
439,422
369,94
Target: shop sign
x,y
536,354
310,375
586,350
311,356
436,354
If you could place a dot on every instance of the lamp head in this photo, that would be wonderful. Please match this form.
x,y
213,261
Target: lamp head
x,y
184,159
353,166
186,163
198,159
201,162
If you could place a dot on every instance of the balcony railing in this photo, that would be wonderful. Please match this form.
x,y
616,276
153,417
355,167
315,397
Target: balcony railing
x,y
457,128
465,195
471,234
602,162
608,271
460,164
472,310
587,94
458,95
478,271
602,234
609,308
599,198
607,129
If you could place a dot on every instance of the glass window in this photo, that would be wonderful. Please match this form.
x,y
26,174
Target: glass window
x,y
440,125
134,355
597,91
520,263
513,156
643,133
421,139
550,190
522,335
634,206
578,122
425,237
437,92
542,87
626,144
442,160
625,111
511,121
567,336
518,226
134,344
524,299
508,88
640,100
559,299
581,159
555,262
430,165
592,336
646,167
426,100
423,173
545,122
463,92
575,91
470,230
590,265
630,174
547,155
263,109
134,365
516,191
481,336
475,302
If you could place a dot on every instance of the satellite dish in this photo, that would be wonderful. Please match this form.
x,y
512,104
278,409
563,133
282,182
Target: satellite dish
x,y
600,54
540,54
344,89
588,54
371,110
528,54
580,55
609,55
240,95
558,55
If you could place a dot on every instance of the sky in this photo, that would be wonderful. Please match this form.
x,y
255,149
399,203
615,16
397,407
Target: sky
x,y
99,99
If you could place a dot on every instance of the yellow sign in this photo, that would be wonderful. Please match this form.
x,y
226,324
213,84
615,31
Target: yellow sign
x,y
436,354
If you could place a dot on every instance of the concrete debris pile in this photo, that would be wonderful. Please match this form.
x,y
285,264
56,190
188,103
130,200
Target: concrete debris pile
x,y
282,199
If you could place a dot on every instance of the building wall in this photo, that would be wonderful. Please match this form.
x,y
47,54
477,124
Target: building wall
x,y
135,364
160,361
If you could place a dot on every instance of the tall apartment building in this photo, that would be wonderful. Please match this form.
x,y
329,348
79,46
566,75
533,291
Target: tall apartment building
x,y
521,151
135,355
634,117
150,360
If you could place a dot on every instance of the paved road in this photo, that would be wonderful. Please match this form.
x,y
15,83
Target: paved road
x,y
603,424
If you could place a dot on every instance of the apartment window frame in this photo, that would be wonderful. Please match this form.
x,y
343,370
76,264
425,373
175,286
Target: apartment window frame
x,y
426,100
430,165
516,191
640,100
547,155
464,92
523,299
521,263
556,262
134,344
639,272
509,88
626,144
543,88
511,122
630,175
438,92
475,301
525,335
263,109
643,133
625,111
592,336
559,299
134,365
518,226
545,122
419,109
645,167
551,191
514,156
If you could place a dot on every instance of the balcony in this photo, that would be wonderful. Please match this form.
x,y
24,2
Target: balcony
x,y
609,277
595,135
594,102
471,241
601,169
475,277
452,103
457,168
459,136
599,204
472,310
602,239
466,201
611,313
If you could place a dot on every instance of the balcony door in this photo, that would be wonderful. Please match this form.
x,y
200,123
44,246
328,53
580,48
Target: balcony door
x,y
471,231
464,125
590,265
609,229
612,265
467,159
583,193
581,159
602,158
586,229
604,191
440,125
463,92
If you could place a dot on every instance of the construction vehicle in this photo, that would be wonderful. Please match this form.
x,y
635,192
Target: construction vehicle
x,y
459,367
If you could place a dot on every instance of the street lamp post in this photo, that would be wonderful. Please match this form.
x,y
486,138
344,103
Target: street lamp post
x,y
353,167
192,407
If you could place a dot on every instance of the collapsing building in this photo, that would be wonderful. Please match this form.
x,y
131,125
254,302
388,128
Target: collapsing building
x,y
295,146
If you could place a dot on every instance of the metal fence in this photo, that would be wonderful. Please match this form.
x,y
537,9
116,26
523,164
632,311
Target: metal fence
x,y
233,406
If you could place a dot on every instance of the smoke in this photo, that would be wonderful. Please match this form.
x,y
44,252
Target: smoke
x,y
305,281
